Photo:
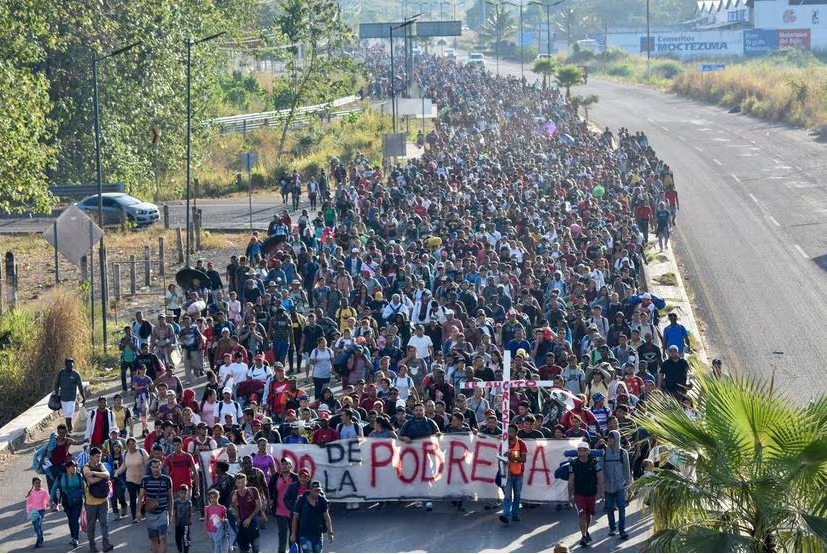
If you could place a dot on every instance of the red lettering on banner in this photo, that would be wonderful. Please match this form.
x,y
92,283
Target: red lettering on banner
x,y
429,448
307,462
480,462
400,466
536,467
376,462
459,461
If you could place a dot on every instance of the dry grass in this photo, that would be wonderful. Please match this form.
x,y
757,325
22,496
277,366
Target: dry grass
x,y
36,339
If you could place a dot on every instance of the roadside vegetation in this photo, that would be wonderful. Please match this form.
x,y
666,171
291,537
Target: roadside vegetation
x,y
35,339
786,86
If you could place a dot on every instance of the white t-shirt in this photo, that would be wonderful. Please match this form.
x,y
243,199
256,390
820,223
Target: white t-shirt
x,y
239,372
223,408
258,373
223,372
422,345
404,385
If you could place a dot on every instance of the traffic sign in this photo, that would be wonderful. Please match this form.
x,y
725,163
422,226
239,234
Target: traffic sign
x,y
709,67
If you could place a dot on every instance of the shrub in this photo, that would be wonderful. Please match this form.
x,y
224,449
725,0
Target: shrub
x,y
623,69
35,341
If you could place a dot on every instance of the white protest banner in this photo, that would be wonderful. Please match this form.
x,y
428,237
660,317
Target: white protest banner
x,y
445,467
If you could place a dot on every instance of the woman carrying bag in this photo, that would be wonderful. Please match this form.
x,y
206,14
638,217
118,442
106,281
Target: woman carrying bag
x,y
70,490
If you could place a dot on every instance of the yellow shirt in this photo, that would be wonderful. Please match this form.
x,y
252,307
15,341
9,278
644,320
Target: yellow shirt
x,y
91,500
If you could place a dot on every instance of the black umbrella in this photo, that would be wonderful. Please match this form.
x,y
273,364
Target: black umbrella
x,y
186,276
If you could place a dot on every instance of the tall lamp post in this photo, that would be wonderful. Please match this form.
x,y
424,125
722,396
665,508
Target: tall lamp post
x,y
409,21
548,22
648,44
497,14
99,178
522,60
190,44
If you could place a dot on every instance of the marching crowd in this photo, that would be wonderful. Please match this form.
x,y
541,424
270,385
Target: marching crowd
x,y
518,229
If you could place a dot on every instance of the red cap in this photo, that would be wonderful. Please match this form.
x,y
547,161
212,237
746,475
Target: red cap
x,y
489,412
304,471
371,387
258,357
324,415
291,412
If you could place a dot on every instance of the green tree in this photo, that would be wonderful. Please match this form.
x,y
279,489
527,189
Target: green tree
x,y
318,67
545,66
751,470
567,76
499,25
585,102
25,131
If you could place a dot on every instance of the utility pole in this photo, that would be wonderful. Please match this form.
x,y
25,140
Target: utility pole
x,y
522,57
408,22
190,44
99,178
648,45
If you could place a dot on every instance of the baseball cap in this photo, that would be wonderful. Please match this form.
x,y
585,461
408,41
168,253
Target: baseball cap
x,y
304,471
597,397
258,357
315,485
582,445
324,415
324,408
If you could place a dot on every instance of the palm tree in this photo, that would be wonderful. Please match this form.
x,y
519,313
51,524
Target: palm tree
x,y
754,475
547,67
499,26
567,77
584,102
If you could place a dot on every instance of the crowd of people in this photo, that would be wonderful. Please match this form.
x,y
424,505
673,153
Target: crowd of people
x,y
518,229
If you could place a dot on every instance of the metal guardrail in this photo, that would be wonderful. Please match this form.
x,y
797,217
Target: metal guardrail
x,y
77,191
248,122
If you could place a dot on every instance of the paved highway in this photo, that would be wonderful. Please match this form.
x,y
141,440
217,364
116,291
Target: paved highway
x,y
751,230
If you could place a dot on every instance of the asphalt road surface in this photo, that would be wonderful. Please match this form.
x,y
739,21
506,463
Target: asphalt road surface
x,y
751,233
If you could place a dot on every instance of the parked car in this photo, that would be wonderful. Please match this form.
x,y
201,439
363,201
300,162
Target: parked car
x,y
451,53
476,58
118,204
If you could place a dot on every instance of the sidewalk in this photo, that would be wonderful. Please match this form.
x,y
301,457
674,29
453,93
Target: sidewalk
x,y
663,279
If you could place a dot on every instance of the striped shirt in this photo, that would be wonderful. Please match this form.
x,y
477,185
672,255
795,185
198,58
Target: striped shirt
x,y
158,490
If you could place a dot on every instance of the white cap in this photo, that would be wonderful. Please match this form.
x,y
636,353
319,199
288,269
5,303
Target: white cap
x,y
354,251
583,445
646,295
400,403
324,408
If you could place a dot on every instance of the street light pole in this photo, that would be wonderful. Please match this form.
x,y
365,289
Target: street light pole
x,y
522,60
408,21
497,15
190,44
648,44
99,179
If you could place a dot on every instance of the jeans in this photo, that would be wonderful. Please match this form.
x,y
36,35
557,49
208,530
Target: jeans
x,y
133,489
119,496
616,499
280,349
283,523
513,488
97,513
220,547
311,545
73,517
126,367
38,526
248,537
318,385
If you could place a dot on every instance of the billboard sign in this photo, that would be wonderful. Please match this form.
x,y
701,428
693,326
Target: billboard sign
x,y
380,30
439,28
759,42
794,38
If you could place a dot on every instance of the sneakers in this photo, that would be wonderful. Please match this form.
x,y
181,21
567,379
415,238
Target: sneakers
x,y
588,536
584,542
504,519
612,532
624,536
429,506
109,548
515,518
123,511
73,543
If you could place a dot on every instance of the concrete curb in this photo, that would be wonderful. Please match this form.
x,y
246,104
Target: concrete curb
x,y
13,434
676,295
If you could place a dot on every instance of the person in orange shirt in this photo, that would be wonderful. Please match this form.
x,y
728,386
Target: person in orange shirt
x,y
513,482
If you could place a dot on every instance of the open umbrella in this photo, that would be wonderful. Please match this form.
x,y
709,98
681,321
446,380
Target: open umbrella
x,y
568,139
186,276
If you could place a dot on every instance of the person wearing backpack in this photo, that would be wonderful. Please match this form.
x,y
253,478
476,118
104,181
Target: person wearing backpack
x,y
69,489
585,486
321,362
228,406
97,496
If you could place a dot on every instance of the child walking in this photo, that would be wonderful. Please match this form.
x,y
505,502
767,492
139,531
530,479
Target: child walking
x,y
183,516
37,501
217,525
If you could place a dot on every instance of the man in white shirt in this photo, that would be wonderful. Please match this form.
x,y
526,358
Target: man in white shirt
x,y
238,369
259,371
423,344
228,406
225,371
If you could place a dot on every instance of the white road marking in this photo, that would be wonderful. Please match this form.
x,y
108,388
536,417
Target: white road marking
x,y
766,213
682,138
736,178
664,128
774,221
717,161
801,251
698,148
752,196
650,120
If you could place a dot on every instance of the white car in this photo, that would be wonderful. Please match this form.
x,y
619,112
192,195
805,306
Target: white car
x,y
476,58
117,204
451,53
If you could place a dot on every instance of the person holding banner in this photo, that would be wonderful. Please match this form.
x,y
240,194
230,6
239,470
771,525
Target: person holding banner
x,y
515,458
